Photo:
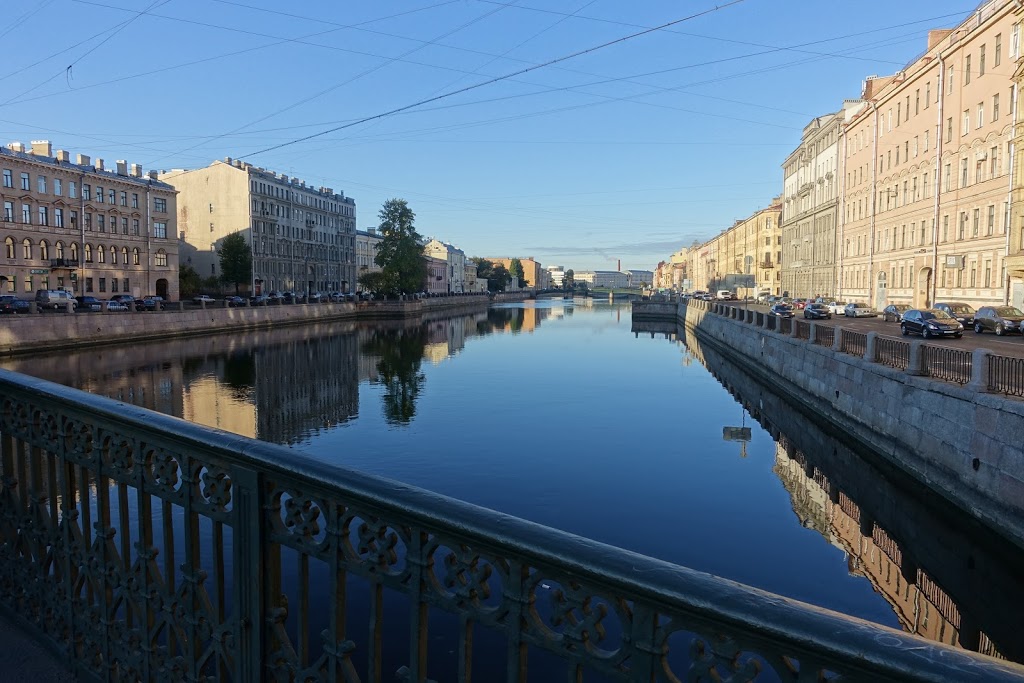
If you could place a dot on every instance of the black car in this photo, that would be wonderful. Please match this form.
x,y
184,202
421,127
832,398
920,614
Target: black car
x,y
894,312
999,319
962,312
151,303
12,304
89,303
781,311
817,311
234,301
130,301
930,322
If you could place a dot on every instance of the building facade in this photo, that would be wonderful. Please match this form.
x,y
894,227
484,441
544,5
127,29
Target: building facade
x,y
611,279
810,209
302,237
84,228
925,209
536,276
366,251
437,276
639,278
456,260
744,259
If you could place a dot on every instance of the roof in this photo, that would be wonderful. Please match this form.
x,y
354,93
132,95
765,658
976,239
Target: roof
x,y
145,181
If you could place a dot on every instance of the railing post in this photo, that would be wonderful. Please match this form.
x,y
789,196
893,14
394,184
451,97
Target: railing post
x,y
793,328
248,577
916,358
812,333
869,347
979,370
837,339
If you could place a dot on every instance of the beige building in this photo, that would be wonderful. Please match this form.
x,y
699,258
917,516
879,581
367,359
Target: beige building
x,y
366,251
1015,238
455,259
744,258
533,272
810,208
302,237
85,228
925,204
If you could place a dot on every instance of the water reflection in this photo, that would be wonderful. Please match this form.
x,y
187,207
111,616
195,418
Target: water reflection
x,y
945,578
399,354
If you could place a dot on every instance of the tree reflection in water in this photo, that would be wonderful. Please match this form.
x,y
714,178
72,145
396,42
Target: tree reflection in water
x,y
400,354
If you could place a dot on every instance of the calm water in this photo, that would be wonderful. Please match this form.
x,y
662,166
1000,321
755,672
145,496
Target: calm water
x,y
558,413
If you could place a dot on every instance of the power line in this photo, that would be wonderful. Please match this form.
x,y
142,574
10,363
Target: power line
x,y
499,78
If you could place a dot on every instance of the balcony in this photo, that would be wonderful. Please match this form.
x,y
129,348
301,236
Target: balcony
x,y
197,534
766,264
63,263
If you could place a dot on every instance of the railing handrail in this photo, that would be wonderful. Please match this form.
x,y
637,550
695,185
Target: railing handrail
x,y
837,641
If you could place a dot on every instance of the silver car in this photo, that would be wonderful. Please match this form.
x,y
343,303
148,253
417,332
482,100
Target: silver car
x,y
857,309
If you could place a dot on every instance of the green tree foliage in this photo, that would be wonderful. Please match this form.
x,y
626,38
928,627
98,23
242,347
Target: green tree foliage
x,y
400,353
496,275
189,282
372,281
569,280
515,269
400,252
235,260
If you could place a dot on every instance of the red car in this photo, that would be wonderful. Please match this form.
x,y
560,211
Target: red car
x,y
799,303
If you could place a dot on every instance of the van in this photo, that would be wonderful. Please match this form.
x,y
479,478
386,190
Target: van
x,y
725,295
55,299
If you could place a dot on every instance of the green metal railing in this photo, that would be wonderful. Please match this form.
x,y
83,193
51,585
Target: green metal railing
x,y
143,547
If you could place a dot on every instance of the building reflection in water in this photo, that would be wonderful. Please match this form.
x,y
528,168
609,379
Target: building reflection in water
x,y
945,578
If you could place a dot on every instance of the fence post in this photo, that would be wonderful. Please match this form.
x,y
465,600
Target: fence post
x,y
793,330
869,347
979,370
837,339
812,333
916,358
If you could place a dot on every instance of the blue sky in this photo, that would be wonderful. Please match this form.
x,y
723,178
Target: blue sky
x,y
626,152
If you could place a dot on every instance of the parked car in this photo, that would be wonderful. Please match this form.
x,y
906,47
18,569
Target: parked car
x,y
930,322
799,304
115,305
259,300
130,302
858,309
55,299
837,307
315,298
817,311
275,297
89,303
781,311
12,304
961,311
725,295
999,319
151,303
202,298
894,312
234,300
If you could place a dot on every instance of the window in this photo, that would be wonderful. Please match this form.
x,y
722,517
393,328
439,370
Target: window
x,y
963,225
86,192
57,189
963,173
124,225
101,255
1015,41
124,198
925,141
135,256
103,284
44,215
998,56
967,70
60,249
159,229
26,249
74,219
113,255
72,189
58,218
44,251
160,204
25,183
991,220
976,223
966,128
949,129
99,194
126,287
161,258
993,161
981,61
135,200
124,251
8,178
113,284
88,253
949,82
927,94
981,114
946,179
101,222
41,184
135,227
111,196
26,214
945,228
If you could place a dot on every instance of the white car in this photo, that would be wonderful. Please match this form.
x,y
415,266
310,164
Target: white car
x,y
114,305
859,310
837,307
202,298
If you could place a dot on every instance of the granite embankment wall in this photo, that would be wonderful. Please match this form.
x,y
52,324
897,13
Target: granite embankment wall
x,y
53,331
965,444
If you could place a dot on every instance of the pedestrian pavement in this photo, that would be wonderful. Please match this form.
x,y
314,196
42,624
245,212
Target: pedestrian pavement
x,y
24,660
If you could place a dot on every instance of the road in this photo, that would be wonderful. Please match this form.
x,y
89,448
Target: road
x,y
1009,345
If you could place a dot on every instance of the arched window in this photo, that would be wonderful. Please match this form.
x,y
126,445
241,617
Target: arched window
x,y
26,248
9,244
74,251
135,256
113,255
161,258
101,254
59,249
44,250
88,253
124,255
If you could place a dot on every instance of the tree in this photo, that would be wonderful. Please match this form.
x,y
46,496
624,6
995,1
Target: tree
x,y
235,260
189,282
496,275
569,280
400,252
515,269
372,281
400,353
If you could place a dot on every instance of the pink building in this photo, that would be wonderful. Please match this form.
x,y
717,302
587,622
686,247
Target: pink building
x,y
437,276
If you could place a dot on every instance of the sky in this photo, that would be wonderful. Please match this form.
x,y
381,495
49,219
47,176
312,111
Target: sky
x,y
565,130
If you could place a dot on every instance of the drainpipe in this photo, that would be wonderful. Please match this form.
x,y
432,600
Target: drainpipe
x,y
81,230
149,240
938,181
1009,196
874,201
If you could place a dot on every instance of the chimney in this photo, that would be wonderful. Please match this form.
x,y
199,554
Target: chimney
x,y
99,165
227,160
63,156
16,147
136,170
937,36
42,148
153,175
122,167
82,160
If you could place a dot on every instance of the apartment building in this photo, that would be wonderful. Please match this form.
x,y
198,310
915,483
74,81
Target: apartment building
x,y
302,237
533,272
85,228
810,208
437,276
745,258
455,259
926,169
1015,241
366,251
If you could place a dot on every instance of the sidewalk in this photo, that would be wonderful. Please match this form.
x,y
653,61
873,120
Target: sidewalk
x,y
22,659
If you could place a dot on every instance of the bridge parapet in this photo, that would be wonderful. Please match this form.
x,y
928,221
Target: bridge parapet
x,y
145,547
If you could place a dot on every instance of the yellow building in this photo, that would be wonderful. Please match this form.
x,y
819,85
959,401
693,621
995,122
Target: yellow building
x,y
926,171
744,258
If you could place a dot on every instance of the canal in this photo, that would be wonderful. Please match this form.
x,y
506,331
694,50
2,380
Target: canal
x,y
566,414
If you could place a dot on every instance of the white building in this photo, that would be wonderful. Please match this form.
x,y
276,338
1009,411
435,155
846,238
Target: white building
x,y
602,278
366,251
557,276
640,278
456,259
